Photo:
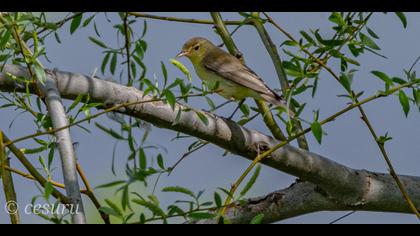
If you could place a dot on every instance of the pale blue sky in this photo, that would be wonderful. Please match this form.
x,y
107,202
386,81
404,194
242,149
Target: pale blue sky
x,y
348,141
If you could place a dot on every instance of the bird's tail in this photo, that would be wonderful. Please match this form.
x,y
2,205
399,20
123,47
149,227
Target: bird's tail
x,y
277,100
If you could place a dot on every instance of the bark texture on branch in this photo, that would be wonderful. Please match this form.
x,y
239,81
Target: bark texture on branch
x,y
65,147
342,185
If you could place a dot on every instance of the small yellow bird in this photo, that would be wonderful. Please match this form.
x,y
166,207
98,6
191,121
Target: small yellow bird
x,y
236,81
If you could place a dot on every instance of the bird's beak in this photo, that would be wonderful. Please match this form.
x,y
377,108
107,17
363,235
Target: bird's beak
x,y
182,53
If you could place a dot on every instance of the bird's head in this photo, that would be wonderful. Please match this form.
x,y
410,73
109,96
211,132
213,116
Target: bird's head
x,y
195,48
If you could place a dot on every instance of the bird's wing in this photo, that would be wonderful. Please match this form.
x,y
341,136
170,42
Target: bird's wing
x,y
230,68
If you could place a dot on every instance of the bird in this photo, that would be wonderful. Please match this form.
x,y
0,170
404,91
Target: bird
x,y
234,80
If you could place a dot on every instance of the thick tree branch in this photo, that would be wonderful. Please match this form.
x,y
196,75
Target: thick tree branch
x,y
303,197
349,187
65,146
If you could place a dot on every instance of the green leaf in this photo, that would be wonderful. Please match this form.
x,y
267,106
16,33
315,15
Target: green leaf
x,y
245,109
5,38
257,220
142,159
201,215
218,200
96,29
112,184
202,117
227,192
155,209
398,80
182,68
345,81
160,161
34,150
332,42
251,181
57,37
211,103
154,199
144,29
51,155
109,131
355,50
109,211
416,94
75,102
178,189
178,116
104,62
349,60
337,18
4,57
402,17
335,53
75,23
381,75
165,74
170,98
125,198
98,42
48,189
88,20
366,40
383,139
175,83
114,207
289,43
307,37
405,102
371,33
143,44
113,63
317,131
40,73
133,69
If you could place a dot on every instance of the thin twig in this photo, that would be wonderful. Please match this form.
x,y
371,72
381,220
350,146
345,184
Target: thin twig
x,y
388,162
317,60
338,34
320,61
30,177
342,217
61,22
111,109
185,155
127,48
184,20
90,193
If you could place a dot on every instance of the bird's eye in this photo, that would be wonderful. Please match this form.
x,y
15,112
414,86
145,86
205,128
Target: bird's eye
x,y
196,47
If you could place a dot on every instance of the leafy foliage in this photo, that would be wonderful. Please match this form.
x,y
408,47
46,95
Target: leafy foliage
x,y
145,161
